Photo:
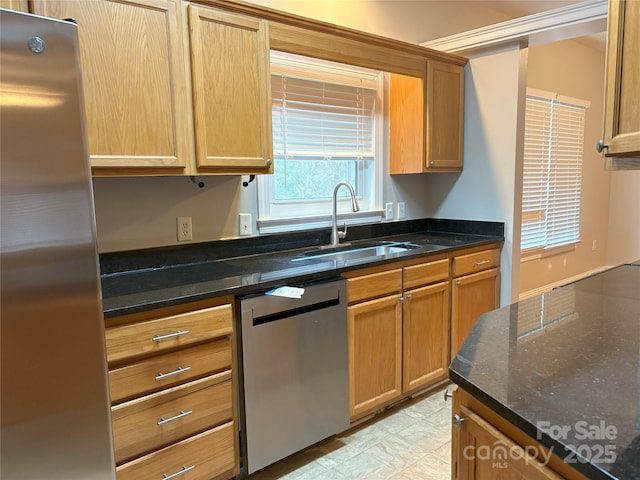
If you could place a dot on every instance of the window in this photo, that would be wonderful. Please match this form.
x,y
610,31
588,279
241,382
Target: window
x,y
325,130
553,140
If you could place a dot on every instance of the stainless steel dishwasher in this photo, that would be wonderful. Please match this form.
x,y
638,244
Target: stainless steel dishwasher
x,y
295,368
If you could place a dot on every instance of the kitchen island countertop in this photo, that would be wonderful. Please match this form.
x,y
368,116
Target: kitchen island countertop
x,y
564,368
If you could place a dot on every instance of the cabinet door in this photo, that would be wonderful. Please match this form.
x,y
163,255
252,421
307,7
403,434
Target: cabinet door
x,y
444,117
231,91
472,295
425,336
485,453
375,354
406,124
134,82
622,101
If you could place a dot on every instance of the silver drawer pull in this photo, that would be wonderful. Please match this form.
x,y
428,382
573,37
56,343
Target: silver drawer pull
x,y
481,262
182,414
184,470
159,338
180,370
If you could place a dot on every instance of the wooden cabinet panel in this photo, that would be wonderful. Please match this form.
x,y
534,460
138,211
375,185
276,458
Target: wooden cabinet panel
x,y
444,117
425,336
156,421
406,124
167,370
475,262
19,5
205,456
622,92
161,334
425,273
375,353
134,81
475,464
472,295
374,285
231,90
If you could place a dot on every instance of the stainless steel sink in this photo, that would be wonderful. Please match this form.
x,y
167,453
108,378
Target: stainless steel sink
x,y
357,252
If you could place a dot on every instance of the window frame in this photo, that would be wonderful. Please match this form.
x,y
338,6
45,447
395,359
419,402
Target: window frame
x,y
307,211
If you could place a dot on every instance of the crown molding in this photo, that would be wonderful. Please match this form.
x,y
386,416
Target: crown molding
x,y
575,20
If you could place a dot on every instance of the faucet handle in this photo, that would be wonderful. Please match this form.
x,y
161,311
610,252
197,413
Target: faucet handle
x,y
342,234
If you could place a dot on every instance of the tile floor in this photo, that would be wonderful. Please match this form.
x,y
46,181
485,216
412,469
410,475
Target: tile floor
x,y
410,441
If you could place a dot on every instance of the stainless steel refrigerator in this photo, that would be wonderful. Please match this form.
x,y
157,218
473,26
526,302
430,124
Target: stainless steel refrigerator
x,y
54,398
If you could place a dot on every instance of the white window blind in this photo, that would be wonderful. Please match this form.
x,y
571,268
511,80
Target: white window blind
x,y
321,120
325,130
552,175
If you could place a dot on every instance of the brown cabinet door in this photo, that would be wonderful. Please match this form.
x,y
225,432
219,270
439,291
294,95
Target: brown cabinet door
x,y
485,453
134,81
425,335
444,117
231,91
375,354
472,295
406,124
622,95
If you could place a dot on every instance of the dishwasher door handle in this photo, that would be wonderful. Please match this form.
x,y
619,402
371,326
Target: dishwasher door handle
x,y
294,312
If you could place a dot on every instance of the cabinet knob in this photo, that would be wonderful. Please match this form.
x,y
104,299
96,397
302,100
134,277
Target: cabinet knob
x,y
600,146
269,162
401,299
432,163
457,421
458,282
447,395
408,296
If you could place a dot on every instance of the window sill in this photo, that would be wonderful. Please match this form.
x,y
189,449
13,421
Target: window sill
x,y
278,225
538,253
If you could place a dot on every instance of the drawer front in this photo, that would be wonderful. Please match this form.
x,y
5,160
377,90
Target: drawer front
x,y
169,369
202,457
476,262
426,273
134,340
374,285
146,425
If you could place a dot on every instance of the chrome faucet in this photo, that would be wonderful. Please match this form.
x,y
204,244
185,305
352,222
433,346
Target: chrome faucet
x,y
336,235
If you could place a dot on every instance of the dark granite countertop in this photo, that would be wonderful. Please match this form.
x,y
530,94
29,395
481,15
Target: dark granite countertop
x,y
564,367
142,280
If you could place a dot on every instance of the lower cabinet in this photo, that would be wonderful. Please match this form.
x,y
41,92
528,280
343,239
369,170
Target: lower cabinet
x,y
426,336
407,320
398,332
475,290
173,394
486,447
375,353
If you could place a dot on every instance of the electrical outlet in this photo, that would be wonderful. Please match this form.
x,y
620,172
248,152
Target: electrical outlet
x,y
401,213
244,224
183,226
389,211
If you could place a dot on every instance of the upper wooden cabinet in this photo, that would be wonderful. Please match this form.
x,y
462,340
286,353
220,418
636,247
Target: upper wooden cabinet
x,y
134,81
231,90
427,120
622,92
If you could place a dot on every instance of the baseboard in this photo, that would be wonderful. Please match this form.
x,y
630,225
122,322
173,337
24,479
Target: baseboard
x,y
547,288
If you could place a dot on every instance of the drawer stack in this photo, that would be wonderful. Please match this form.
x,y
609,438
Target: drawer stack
x,y
173,395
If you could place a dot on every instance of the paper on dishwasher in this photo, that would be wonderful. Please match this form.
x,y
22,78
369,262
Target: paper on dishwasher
x,y
289,292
